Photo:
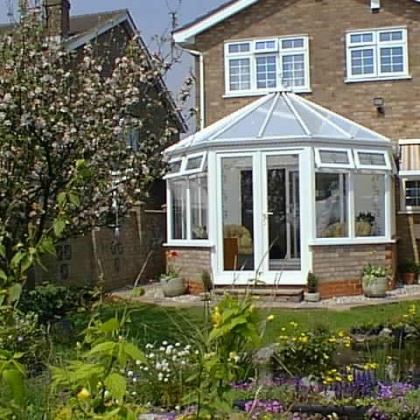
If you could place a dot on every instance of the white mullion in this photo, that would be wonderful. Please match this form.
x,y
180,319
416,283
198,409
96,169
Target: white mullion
x,y
351,205
187,210
169,198
388,206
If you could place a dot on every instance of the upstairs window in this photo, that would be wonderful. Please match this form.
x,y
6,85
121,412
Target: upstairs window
x,y
266,65
377,54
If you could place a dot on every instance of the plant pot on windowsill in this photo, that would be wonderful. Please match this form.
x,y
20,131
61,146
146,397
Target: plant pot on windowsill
x,y
173,286
311,296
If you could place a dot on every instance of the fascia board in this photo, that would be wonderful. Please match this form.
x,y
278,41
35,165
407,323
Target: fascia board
x,y
184,36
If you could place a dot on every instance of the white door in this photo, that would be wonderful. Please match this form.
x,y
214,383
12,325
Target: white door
x,y
259,227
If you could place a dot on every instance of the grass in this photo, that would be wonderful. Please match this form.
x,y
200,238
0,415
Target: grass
x,y
150,323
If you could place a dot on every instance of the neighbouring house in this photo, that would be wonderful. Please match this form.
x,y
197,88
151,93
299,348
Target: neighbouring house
x,y
120,257
308,157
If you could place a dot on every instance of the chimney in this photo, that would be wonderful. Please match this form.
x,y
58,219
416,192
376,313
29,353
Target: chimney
x,y
57,16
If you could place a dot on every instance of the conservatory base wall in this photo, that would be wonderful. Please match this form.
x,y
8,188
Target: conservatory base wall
x,y
339,267
192,261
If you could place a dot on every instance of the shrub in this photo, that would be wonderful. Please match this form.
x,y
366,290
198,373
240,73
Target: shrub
x,y
52,302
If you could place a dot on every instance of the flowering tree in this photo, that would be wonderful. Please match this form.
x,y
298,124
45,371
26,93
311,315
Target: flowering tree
x,y
64,124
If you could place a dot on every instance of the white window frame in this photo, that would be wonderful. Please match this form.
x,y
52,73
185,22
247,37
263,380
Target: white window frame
x,y
351,237
252,55
177,173
186,171
376,45
359,165
415,176
321,164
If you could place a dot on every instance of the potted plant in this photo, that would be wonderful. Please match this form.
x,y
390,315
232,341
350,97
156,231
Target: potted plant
x,y
171,281
312,294
408,271
375,280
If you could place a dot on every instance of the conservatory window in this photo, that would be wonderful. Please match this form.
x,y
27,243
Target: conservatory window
x,y
333,158
263,65
174,167
178,208
377,54
372,159
369,204
194,163
198,207
331,205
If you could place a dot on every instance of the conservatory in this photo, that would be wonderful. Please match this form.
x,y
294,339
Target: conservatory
x,y
277,189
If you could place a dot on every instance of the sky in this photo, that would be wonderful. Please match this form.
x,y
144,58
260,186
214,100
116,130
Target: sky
x,y
152,17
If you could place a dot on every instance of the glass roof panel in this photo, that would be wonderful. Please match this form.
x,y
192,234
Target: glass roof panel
x,y
283,122
248,127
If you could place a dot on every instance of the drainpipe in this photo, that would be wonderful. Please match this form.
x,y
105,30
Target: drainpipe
x,y
200,56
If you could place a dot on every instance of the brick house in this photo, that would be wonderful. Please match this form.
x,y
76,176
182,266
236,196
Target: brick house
x,y
81,260
323,201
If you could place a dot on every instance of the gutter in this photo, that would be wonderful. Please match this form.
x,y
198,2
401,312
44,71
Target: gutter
x,y
200,56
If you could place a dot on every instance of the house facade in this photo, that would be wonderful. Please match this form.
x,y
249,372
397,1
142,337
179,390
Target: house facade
x,y
357,58
115,260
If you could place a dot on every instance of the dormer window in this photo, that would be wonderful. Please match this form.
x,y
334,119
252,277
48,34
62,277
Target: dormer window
x,y
265,65
378,54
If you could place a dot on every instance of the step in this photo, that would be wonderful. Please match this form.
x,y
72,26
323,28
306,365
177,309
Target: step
x,y
279,294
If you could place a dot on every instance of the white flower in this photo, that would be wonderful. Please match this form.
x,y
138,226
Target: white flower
x,y
130,373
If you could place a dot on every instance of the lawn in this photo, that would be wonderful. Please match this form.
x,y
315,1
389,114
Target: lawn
x,y
151,323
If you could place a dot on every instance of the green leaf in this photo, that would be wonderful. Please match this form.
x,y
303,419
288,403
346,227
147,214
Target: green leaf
x,y
15,381
116,385
58,226
74,199
3,275
2,251
109,326
61,198
107,348
47,246
14,292
134,353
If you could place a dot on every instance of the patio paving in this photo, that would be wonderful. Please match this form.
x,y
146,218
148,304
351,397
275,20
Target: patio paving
x,y
153,295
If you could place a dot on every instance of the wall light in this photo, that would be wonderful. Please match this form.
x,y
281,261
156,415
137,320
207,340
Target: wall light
x,y
379,103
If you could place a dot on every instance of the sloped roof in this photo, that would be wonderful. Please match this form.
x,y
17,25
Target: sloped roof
x,y
185,34
281,117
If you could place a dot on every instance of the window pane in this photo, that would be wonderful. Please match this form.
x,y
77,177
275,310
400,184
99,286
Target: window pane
x,y
334,156
266,72
265,45
239,47
292,43
199,205
369,202
331,203
391,36
237,213
194,162
240,74
412,193
362,62
293,70
178,209
175,166
372,159
392,60
359,38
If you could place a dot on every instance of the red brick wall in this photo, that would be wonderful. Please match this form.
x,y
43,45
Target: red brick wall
x,y
339,267
192,261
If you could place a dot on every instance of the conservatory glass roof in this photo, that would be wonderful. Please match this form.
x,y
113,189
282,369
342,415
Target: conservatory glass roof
x,y
281,116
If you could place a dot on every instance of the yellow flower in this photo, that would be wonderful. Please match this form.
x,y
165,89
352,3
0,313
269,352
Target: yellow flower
x,y
270,317
84,394
338,378
332,340
341,334
350,378
293,324
216,317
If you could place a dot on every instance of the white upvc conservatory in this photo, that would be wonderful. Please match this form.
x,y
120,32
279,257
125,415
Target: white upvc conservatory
x,y
263,186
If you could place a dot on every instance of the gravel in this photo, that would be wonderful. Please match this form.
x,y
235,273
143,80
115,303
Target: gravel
x,y
153,294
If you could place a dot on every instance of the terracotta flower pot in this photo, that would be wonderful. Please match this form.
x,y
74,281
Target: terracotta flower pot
x,y
409,278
